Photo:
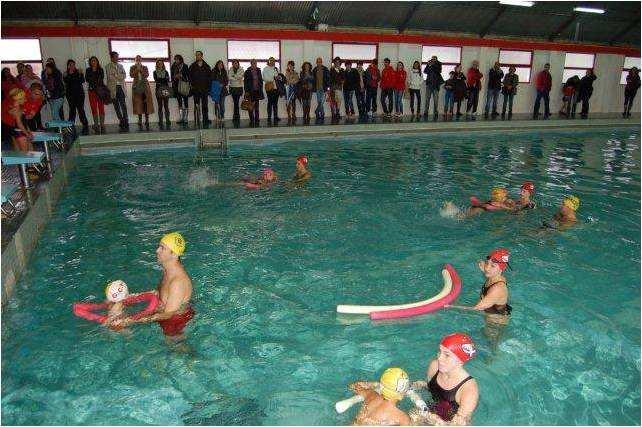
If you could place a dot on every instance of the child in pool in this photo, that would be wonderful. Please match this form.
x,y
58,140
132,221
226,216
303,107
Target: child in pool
x,y
116,292
525,203
565,217
381,408
498,201
302,173
268,177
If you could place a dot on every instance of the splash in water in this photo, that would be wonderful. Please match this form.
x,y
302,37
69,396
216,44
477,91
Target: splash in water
x,y
450,210
201,178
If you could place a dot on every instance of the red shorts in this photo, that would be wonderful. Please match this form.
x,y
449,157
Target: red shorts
x,y
175,324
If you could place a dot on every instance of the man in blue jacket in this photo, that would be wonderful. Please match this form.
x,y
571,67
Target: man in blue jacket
x,y
433,81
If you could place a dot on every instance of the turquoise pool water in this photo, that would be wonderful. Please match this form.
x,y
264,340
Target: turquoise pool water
x,y
269,267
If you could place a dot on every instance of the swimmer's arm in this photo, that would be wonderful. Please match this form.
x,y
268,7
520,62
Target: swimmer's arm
x,y
469,399
174,302
489,300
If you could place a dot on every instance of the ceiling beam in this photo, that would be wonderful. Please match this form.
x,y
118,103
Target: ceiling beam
x,y
404,24
563,27
196,12
626,29
488,26
73,11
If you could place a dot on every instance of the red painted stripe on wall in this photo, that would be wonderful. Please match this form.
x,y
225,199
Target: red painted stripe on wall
x,y
270,34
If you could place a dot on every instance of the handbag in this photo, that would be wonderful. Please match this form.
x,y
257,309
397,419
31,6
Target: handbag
x,y
164,92
139,87
269,86
102,92
184,87
247,104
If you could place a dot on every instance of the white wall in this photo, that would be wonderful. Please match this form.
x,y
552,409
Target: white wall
x,y
608,94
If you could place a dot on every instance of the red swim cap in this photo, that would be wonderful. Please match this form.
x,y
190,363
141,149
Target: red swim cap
x,y
303,160
500,256
461,345
528,186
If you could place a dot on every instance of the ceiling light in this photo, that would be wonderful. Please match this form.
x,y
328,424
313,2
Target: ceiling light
x,y
588,10
517,3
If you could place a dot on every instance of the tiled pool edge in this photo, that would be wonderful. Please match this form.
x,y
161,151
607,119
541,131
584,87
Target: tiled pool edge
x,y
16,254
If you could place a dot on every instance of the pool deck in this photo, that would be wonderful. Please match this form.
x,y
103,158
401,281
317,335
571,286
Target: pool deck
x,y
244,132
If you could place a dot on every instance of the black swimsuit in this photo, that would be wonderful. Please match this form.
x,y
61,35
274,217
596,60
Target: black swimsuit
x,y
503,309
444,404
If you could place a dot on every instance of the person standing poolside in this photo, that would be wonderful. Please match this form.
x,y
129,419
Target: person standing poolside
x,y
174,291
381,408
565,217
302,173
453,390
115,75
473,79
543,85
630,90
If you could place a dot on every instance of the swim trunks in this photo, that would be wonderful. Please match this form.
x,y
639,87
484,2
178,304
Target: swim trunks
x,y
175,324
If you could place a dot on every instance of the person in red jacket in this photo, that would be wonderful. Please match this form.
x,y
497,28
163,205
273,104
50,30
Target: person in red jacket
x,y
543,84
388,77
400,88
473,78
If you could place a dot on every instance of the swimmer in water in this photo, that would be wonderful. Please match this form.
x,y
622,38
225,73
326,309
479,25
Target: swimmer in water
x,y
498,201
116,292
454,392
268,177
525,203
302,173
565,217
380,409
493,298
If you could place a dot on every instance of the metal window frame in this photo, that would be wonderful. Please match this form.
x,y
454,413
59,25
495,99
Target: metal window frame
x,y
529,66
23,60
227,50
354,61
440,45
625,69
578,68
144,58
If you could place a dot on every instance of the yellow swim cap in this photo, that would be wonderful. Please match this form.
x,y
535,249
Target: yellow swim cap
x,y
175,242
498,193
394,384
572,202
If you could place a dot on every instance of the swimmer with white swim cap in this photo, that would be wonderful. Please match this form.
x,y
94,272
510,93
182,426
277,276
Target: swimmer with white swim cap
x,y
454,392
116,292
381,408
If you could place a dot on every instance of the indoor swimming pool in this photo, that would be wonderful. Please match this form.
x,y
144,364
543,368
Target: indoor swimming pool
x,y
270,266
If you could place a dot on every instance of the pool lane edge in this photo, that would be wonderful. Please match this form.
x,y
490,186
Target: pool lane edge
x,y
17,253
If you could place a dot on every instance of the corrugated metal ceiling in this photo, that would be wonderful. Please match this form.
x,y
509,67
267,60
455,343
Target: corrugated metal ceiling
x,y
539,21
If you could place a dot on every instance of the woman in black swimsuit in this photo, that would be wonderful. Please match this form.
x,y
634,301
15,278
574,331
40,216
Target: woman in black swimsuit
x,y
454,392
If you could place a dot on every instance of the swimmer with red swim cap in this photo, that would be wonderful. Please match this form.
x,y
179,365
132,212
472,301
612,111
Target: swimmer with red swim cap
x,y
302,173
454,392
493,298
525,193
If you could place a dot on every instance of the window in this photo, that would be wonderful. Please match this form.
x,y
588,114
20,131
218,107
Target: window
x,y
576,64
26,51
355,52
246,50
149,50
629,62
449,57
522,60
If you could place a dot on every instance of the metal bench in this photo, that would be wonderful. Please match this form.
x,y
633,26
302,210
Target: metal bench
x,y
61,126
22,159
7,191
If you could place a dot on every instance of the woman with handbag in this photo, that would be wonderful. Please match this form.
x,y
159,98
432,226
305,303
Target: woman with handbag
x,y
163,92
181,86
98,93
269,74
219,89
304,92
142,102
253,85
235,75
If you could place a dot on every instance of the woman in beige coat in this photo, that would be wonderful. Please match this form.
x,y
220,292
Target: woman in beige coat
x,y
142,100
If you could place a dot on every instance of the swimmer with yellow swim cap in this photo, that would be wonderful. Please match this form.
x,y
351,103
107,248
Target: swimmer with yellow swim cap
x,y
565,217
499,201
14,129
381,408
174,290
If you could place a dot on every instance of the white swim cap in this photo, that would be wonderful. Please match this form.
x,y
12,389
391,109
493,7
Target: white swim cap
x,y
116,291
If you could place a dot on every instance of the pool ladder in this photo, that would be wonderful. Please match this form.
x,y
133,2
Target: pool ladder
x,y
214,138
